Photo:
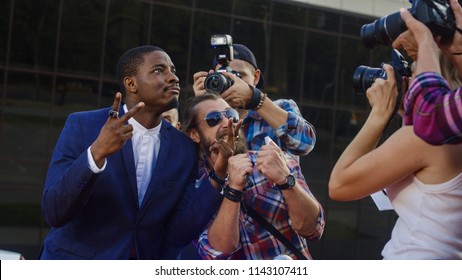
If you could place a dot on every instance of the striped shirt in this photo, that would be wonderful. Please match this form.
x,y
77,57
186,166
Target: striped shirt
x,y
297,136
255,241
434,109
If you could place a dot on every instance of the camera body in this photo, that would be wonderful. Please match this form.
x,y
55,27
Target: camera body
x,y
217,82
437,15
364,76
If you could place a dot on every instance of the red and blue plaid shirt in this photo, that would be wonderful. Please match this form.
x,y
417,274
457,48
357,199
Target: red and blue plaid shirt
x,y
297,136
434,109
255,241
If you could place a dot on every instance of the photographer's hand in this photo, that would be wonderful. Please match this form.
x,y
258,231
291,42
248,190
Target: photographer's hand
x,y
239,94
428,52
199,78
382,95
407,41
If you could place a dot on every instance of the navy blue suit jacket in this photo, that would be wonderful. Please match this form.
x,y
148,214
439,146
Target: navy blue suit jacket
x,y
96,216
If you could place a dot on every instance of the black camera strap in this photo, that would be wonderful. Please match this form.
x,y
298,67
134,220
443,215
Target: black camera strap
x,y
268,226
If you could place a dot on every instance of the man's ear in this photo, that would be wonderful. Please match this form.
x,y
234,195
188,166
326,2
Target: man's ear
x,y
130,84
256,77
194,135
178,125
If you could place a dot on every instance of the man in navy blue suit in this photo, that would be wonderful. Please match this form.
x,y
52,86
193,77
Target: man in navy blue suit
x,y
122,182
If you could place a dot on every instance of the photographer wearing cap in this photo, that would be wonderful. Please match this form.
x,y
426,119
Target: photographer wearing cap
x,y
280,119
433,103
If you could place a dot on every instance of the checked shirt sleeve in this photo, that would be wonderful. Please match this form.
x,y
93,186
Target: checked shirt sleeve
x,y
297,134
434,109
208,252
318,230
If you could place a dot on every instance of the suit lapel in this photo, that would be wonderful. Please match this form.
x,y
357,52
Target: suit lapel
x,y
129,162
127,154
165,142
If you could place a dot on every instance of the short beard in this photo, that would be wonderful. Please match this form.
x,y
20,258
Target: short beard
x,y
175,103
240,144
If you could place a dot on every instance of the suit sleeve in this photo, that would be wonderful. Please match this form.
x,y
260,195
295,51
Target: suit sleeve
x,y
69,179
195,211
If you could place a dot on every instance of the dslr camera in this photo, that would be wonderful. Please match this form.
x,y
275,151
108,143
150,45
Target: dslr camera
x,y
217,82
364,76
437,15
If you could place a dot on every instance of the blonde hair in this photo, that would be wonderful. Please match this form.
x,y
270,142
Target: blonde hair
x,y
450,73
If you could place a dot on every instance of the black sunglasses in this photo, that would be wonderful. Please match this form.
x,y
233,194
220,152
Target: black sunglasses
x,y
215,117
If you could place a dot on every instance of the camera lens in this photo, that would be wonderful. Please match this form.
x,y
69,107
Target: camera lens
x,y
382,31
217,83
364,77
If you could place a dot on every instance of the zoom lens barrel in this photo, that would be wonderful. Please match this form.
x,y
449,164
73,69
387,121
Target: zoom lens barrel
x,y
217,83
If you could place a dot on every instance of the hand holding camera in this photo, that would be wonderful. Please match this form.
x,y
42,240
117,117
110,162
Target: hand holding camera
x,y
365,76
238,91
217,82
437,15
383,94
377,80
198,82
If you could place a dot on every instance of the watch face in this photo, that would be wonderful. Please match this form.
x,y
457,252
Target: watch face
x,y
290,183
290,180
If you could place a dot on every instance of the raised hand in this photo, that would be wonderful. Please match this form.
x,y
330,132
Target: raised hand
x,y
271,162
224,148
239,166
114,133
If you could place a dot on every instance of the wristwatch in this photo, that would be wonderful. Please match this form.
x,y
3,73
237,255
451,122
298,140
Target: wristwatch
x,y
290,183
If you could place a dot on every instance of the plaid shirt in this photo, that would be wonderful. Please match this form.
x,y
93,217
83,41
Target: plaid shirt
x,y
255,241
434,110
297,136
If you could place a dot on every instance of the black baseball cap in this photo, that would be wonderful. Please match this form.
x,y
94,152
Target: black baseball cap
x,y
243,53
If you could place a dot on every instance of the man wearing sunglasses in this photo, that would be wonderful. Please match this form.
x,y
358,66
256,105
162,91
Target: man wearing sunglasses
x,y
281,119
268,181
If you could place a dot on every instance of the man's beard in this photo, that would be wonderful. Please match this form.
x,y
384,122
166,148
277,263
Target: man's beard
x,y
240,144
174,103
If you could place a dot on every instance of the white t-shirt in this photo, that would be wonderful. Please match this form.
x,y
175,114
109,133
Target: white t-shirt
x,y
430,220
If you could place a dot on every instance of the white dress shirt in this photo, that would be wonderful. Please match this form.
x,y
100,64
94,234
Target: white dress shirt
x,y
146,144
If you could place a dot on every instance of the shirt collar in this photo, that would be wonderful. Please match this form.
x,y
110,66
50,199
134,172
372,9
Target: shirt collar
x,y
138,127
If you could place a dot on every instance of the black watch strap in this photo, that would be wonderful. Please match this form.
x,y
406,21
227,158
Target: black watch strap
x,y
290,183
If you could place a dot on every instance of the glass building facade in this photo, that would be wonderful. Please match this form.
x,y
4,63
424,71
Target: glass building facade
x,y
59,56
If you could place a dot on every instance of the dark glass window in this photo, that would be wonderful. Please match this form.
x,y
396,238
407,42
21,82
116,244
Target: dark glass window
x,y
33,34
4,19
320,69
284,70
224,7
127,27
254,9
170,35
323,20
81,37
